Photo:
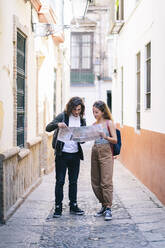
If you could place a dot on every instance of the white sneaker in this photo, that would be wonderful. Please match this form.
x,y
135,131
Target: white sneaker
x,y
108,214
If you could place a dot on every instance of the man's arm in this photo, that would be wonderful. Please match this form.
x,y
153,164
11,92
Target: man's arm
x,y
54,124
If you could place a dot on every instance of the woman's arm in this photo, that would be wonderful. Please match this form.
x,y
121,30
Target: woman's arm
x,y
113,138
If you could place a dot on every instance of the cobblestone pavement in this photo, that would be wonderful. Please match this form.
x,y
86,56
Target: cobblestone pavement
x,y
138,217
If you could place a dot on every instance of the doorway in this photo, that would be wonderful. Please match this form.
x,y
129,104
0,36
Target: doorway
x,y
109,99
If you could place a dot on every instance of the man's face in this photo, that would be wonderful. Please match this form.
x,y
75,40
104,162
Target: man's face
x,y
76,111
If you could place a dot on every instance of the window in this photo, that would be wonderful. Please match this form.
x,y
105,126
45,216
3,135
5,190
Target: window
x,y
21,41
138,73
81,51
148,75
82,57
109,99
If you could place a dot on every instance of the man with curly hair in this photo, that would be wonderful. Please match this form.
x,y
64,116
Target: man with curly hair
x,y
67,155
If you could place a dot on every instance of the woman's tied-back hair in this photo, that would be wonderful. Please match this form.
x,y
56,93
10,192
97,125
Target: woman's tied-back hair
x,y
74,102
103,108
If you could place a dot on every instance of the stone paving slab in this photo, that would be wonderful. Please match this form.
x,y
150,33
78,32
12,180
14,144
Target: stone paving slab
x,y
138,217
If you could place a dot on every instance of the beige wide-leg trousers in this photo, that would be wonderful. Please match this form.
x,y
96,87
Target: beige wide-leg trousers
x,y
102,173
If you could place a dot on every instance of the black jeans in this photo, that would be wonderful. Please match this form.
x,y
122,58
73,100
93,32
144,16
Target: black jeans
x,y
72,162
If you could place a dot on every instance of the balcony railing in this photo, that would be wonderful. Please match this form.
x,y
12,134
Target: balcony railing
x,y
82,78
116,16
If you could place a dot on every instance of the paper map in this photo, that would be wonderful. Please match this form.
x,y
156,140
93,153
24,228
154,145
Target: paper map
x,y
80,134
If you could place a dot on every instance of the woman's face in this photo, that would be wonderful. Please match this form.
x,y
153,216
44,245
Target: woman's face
x,y
97,113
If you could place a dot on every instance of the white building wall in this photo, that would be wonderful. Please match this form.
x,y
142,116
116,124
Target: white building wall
x,y
129,6
158,65
133,38
90,95
144,24
55,59
60,58
66,69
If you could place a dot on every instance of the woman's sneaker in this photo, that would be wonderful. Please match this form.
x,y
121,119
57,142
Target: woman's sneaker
x,y
107,214
101,212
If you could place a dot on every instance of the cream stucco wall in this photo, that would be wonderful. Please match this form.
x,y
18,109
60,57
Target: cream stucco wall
x,y
48,57
43,58
143,25
5,76
55,68
61,60
22,12
66,69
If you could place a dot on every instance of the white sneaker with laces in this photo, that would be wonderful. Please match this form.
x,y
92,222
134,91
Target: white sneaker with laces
x,y
107,214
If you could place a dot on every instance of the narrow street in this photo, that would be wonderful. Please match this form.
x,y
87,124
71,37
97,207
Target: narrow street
x,y
138,217
110,51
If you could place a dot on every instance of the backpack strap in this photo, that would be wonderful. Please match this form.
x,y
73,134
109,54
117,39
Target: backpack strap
x,y
111,145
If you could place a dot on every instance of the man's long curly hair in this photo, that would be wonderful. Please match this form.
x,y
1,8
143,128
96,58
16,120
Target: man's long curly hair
x,y
74,102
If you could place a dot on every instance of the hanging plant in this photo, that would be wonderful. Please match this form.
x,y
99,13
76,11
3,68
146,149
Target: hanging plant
x,y
117,4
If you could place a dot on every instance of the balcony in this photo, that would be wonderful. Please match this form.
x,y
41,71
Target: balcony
x,y
82,78
116,16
